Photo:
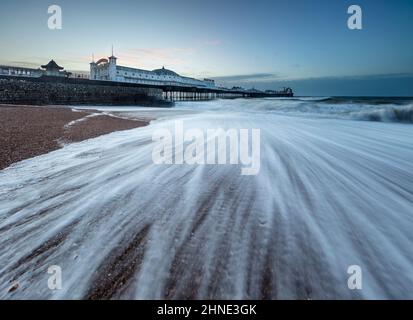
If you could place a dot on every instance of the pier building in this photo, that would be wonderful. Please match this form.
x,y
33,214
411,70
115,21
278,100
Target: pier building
x,y
108,69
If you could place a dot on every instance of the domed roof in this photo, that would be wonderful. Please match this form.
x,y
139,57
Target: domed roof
x,y
165,72
102,61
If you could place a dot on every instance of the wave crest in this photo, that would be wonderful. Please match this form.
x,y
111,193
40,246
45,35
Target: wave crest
x,y
390,114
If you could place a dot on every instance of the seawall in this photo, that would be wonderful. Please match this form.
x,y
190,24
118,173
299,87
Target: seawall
x,y
59,91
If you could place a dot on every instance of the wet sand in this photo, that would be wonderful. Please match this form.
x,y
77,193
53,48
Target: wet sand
x,y
27,131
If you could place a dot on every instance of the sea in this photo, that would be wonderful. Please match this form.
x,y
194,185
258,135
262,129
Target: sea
x,y
328,216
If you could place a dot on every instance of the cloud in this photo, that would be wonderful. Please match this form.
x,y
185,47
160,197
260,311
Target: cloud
x,y
142,58
255,77
395,84
358,77
151,58
24,64
392,84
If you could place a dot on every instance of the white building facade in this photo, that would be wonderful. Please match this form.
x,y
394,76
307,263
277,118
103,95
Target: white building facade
x,y
50,69
20,71
108,70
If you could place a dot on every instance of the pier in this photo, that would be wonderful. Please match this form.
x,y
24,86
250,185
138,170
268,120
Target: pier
x,y
181,93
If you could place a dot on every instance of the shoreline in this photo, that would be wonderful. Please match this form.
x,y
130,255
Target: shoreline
x,y
106,214
28,131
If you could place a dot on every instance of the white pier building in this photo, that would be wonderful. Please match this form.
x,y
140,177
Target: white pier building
x,y
107,69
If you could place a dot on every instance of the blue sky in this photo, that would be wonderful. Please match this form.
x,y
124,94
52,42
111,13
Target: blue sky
x,y
262,44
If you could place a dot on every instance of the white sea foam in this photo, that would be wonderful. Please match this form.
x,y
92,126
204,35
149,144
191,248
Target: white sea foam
x,y
77,121
330,193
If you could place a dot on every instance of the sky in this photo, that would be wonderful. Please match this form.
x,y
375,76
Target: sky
x,y
263,44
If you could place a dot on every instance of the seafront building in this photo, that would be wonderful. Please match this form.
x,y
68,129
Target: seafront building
x,y
51,69
20,71
108,70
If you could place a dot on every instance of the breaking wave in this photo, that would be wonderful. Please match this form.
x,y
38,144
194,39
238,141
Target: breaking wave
x,y
331,193
388,114
399,110
368,100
